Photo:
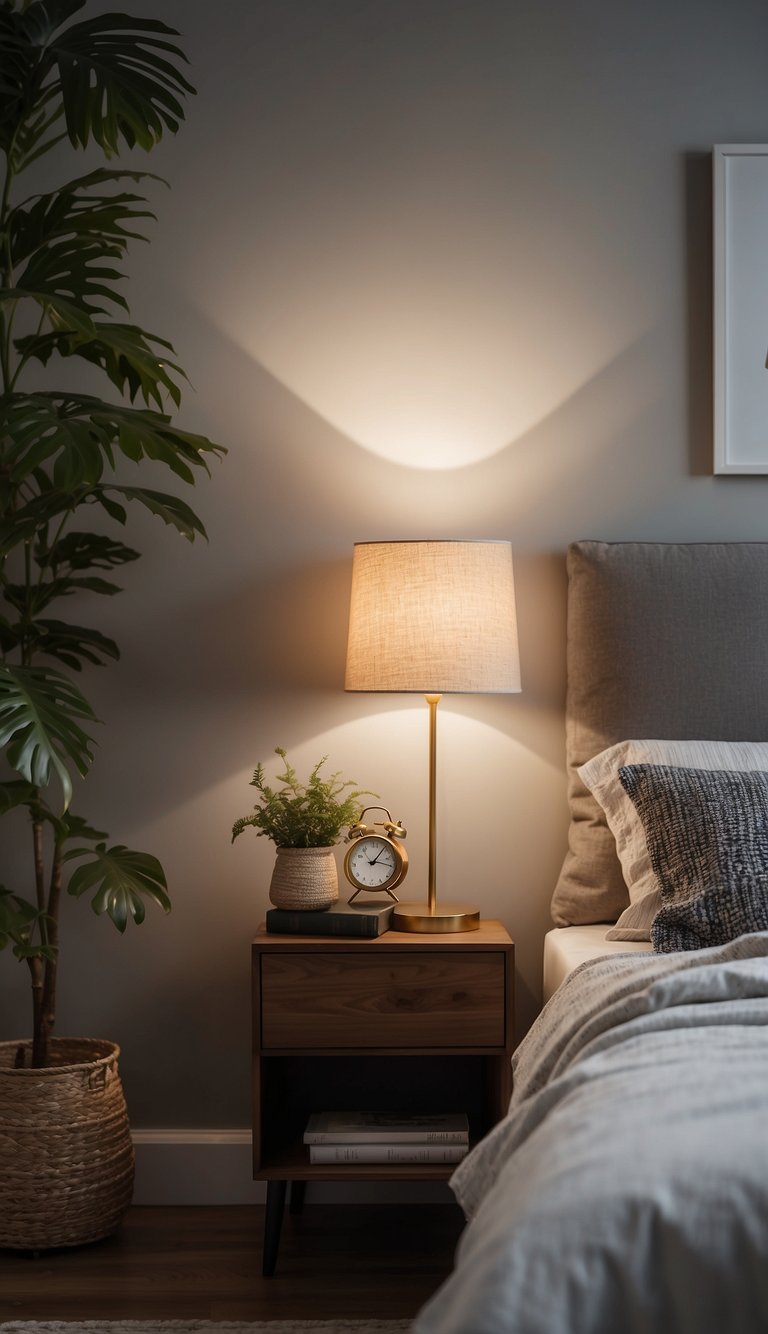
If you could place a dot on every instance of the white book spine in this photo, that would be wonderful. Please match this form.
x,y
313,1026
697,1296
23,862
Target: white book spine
x,y
386,1137
387,1153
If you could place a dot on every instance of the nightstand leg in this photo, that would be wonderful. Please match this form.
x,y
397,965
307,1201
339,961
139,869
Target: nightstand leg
x,y
273,1222
296,1202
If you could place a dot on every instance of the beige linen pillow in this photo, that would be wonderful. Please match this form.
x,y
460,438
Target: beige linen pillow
x,y
601,776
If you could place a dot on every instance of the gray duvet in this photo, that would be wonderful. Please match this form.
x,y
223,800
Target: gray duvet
x,y
626,1191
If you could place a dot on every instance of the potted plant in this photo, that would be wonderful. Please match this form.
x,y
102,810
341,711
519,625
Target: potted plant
x,y
304,821
113,81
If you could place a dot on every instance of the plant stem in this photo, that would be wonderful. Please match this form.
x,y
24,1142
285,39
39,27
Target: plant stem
x,y
36,973
26,616
41,1052
37,839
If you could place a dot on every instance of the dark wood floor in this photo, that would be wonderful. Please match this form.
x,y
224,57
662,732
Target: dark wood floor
x,y
341,1261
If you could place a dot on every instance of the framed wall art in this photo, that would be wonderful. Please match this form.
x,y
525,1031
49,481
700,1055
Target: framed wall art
x,y
740,174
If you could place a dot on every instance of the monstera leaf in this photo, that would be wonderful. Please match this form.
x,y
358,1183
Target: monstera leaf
x,y
120,880
17,792
80,434
123,351
112,77
18,922
67,246
40,714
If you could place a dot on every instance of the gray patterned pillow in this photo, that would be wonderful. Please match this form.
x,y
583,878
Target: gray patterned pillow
x,y
707,835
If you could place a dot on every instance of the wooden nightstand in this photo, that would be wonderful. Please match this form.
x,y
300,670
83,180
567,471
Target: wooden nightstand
x,y
416,1023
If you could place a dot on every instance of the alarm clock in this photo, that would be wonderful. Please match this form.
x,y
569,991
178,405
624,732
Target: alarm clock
x,y
376,862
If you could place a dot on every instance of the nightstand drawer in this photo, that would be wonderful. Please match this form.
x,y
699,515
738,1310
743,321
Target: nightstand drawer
x,y
432,999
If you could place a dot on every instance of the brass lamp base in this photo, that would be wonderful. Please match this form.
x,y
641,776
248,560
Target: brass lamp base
x,y
445,917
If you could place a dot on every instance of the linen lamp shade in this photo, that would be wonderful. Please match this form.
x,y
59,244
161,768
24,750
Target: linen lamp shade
x,y
435,617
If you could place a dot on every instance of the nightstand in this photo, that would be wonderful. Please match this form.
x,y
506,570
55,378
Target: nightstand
x,y
415,1023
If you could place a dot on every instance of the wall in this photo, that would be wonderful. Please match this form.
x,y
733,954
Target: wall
x,y
435,268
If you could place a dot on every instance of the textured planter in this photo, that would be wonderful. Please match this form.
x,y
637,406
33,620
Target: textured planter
x,y
304,879
66,1154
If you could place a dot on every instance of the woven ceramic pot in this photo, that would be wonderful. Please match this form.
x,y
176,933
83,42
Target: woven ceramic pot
x,y
66,1154
304,879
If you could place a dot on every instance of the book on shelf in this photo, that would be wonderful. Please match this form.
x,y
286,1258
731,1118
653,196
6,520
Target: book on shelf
x,y
387,1153
390,1128
344,919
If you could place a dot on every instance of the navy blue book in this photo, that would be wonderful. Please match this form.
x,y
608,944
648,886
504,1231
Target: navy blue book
x,y
343,919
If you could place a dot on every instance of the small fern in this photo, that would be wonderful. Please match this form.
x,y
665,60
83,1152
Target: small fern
x,y
299,815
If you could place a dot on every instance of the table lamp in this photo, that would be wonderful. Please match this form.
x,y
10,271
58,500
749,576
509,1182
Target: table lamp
x,y
435,617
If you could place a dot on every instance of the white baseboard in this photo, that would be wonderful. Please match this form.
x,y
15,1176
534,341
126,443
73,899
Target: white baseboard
x,y
214,1167
195,1167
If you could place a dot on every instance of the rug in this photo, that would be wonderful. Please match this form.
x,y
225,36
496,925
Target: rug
x,y
205,1327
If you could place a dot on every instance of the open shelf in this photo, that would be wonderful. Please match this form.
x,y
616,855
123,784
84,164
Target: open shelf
x,y
415,1084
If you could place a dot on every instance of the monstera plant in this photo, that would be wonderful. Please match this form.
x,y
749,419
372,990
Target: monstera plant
x,y
70,81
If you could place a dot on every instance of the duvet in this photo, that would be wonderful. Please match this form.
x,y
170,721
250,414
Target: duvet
x,y
626,1191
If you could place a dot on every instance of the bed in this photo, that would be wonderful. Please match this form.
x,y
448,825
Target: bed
x,y
626,1190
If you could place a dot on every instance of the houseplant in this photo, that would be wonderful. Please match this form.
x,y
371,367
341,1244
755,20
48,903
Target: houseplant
x,y
304,821
112,81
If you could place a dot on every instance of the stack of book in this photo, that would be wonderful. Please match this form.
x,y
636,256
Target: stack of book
x,y
344,919
386,1137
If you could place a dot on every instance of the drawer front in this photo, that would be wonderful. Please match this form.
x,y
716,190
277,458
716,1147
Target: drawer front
x,y
414,1000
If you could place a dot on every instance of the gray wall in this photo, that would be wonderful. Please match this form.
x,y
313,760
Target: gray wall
x,y
435,268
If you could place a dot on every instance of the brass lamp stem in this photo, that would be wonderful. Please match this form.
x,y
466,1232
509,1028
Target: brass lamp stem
x,y
428,917
432,701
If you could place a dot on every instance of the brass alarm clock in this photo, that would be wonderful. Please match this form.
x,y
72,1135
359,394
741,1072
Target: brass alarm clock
x,y
376,862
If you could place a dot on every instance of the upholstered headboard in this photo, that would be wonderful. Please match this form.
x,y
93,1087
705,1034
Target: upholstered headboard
x,y
664,640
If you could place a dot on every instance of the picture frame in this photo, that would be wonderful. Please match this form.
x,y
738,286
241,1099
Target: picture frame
x,y
740,271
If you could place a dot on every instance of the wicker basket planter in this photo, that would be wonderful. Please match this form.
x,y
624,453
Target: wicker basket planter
x,y
304,879
66,1155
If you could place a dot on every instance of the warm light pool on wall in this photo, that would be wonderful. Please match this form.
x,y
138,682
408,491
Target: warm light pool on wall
x,y
433,617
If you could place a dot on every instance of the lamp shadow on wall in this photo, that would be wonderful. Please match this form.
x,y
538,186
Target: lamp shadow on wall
x,y
260,405
284,633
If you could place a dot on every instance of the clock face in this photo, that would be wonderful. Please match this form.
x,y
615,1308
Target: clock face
x,y
372,863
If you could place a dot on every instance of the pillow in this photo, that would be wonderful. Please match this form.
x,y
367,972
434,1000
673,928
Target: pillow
x,y
663,639
601,776
707,833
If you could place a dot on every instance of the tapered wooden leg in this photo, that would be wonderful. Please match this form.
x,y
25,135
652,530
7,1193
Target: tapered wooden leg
x,y
273,1222
296,1199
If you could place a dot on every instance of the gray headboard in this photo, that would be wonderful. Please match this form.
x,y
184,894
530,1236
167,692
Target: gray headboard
x,y
666,641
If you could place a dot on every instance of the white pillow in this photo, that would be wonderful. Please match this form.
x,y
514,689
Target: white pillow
x,y
601,776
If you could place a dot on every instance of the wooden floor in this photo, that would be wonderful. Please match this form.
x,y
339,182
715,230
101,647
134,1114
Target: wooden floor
x,y
341,1261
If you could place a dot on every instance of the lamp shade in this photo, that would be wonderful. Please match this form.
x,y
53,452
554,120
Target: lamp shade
x,y
435,617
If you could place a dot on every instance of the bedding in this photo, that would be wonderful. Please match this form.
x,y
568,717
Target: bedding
x,y
626,1191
